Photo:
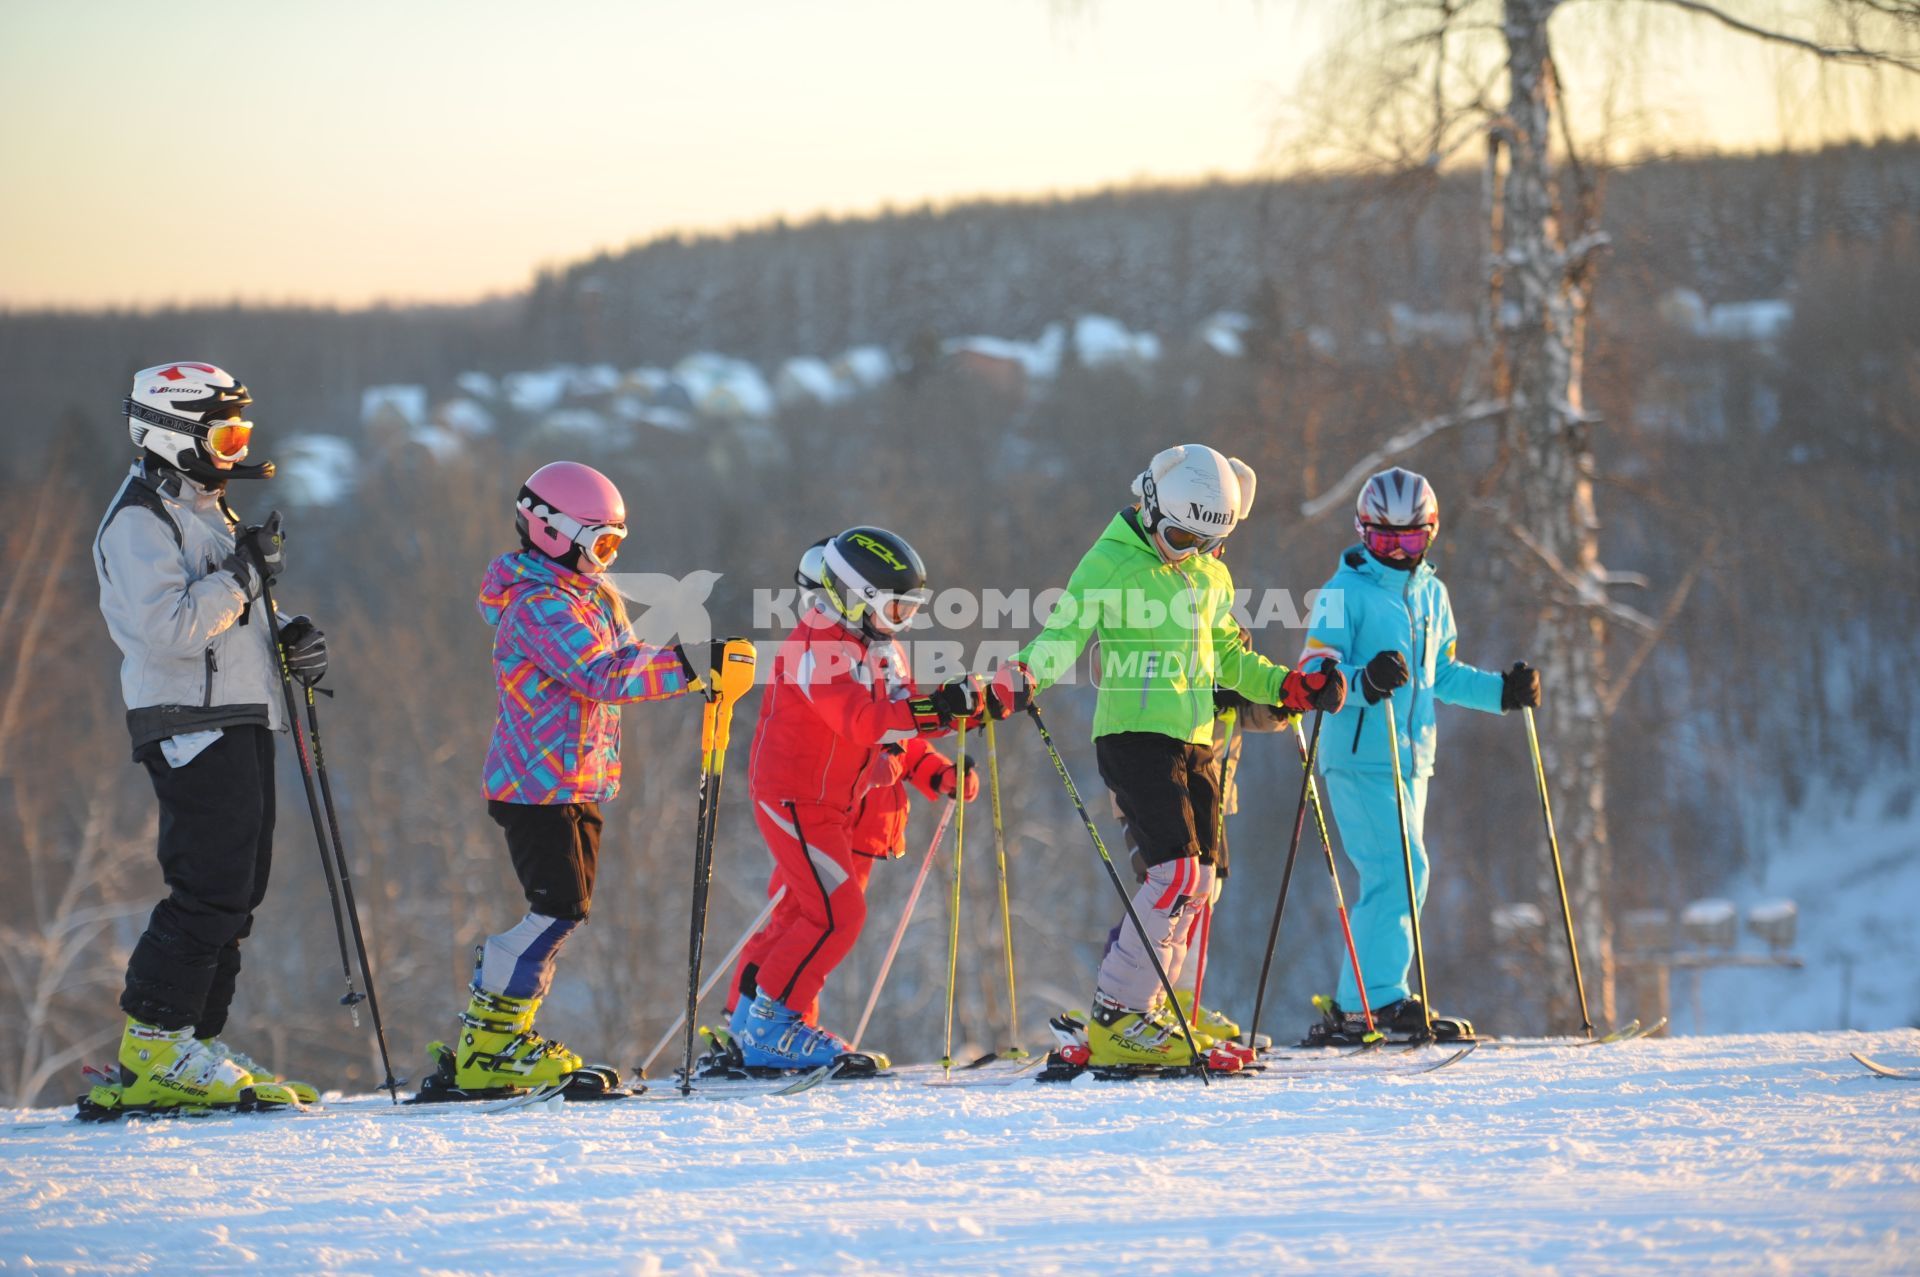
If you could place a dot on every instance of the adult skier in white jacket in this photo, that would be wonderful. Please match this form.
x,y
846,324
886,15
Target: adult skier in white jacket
x,y
180,585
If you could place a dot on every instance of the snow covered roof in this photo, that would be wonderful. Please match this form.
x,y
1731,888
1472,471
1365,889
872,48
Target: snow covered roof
x,y
536,392
723,386
1099,340
866,367
464,416
478,384
314,470
1224,332
1442,327
408,403
806,379
1040,359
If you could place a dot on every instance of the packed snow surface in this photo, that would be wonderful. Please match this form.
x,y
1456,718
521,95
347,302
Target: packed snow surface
x,y
1718,1155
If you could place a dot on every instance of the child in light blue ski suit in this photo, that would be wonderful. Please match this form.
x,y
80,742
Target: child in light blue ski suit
x,y
1393,635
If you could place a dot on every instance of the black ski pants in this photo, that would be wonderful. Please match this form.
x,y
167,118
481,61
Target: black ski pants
x,y
216,848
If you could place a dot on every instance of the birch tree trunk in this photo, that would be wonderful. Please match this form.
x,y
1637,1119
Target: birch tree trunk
x,y
1540,316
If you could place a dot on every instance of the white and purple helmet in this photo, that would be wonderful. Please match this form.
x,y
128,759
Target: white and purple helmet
x,y
1397,515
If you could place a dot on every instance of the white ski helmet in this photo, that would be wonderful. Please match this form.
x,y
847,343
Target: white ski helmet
x,y
1191,497
190,415
1397,515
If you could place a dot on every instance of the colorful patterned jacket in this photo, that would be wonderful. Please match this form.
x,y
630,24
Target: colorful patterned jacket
x,y
564,661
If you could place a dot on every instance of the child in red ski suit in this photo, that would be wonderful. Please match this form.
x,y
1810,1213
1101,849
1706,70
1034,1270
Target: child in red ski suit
x,y
841,726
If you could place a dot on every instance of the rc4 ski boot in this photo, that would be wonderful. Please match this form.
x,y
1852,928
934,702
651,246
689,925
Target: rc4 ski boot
x,y
498,1055
167,1071
777,1038
303,1091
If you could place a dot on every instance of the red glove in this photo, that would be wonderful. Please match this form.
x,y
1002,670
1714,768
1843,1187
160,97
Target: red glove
x,y
1011,690
944,777
956,700
1323,688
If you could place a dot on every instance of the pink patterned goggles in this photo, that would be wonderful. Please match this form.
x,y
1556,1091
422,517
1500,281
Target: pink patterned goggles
x,y
1394,543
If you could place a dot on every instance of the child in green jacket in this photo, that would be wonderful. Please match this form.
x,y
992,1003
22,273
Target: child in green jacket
x,y
1161,604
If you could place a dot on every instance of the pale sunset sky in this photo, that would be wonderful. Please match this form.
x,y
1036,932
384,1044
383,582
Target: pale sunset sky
x,y
353,151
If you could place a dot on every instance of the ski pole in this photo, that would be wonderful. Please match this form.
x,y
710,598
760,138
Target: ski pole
x,y
1232,719
1406,852
1339,895
959,850
720,969
391,1086
1559,877
352,997
1006,909
729,677
1113,875
893,946
1286,880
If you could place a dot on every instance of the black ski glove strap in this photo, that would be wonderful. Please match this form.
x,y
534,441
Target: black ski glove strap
x,y
1520,688
1383,675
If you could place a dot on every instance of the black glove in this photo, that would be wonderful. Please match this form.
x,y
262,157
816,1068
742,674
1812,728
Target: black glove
x,y
264,546
306,650
1383,675
1520,688
956,699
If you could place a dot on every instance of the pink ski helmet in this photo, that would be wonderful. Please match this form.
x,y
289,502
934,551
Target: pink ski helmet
x,y
572,514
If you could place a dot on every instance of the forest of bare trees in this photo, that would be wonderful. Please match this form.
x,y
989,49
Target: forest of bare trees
x,y
1761,487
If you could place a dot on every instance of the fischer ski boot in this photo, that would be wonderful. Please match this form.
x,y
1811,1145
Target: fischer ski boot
x,y
1205,1019
303,1091
168,1071
1118,1035
775,1037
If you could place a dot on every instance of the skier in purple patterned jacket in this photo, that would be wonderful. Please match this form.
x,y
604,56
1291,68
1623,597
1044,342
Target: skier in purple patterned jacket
x,y
565,661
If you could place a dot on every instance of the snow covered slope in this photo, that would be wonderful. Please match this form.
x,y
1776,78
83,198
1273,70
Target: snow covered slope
x,y
1734,1154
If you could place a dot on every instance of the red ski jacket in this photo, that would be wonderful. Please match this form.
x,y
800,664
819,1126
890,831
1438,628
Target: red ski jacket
x,y
835,701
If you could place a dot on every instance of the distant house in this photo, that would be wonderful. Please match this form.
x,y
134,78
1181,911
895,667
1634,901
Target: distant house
x,y
721,386
1100,341
387,408
314,470
1225,333
806,379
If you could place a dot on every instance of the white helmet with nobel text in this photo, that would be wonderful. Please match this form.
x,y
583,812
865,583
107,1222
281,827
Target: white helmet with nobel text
x,y
1192,498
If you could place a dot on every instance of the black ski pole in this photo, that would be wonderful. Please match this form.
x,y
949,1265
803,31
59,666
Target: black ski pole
x,y
1406,853
702,865
391,1085
352,998
729,677
1559,877
1286,878
1113,875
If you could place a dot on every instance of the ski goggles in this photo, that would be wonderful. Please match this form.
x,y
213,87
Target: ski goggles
x,y
1392,543
599,542
1186,541
895,611
227,438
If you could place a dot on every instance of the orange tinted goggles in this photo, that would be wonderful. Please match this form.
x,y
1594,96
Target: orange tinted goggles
x,y
228,439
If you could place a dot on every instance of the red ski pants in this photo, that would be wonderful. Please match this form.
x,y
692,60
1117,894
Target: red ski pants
x,y
817,923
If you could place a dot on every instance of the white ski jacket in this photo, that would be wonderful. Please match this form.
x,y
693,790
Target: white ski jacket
x,y
197,650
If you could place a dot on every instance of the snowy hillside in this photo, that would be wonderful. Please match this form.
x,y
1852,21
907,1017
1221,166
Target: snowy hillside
x,y
1737,1154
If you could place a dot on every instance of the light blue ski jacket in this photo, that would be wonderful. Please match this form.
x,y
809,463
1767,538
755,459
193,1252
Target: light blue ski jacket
x,y
1382,608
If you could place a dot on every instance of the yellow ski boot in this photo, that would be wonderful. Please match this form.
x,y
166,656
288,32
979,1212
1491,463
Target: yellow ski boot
x,y
168,1070
1117,1035
302,1091
498,1047
1205,1019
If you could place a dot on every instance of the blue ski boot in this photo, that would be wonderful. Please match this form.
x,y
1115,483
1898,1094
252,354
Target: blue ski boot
x,y
775,1037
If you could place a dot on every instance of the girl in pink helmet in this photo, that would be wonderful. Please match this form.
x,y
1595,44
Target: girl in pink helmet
x,y
564,661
